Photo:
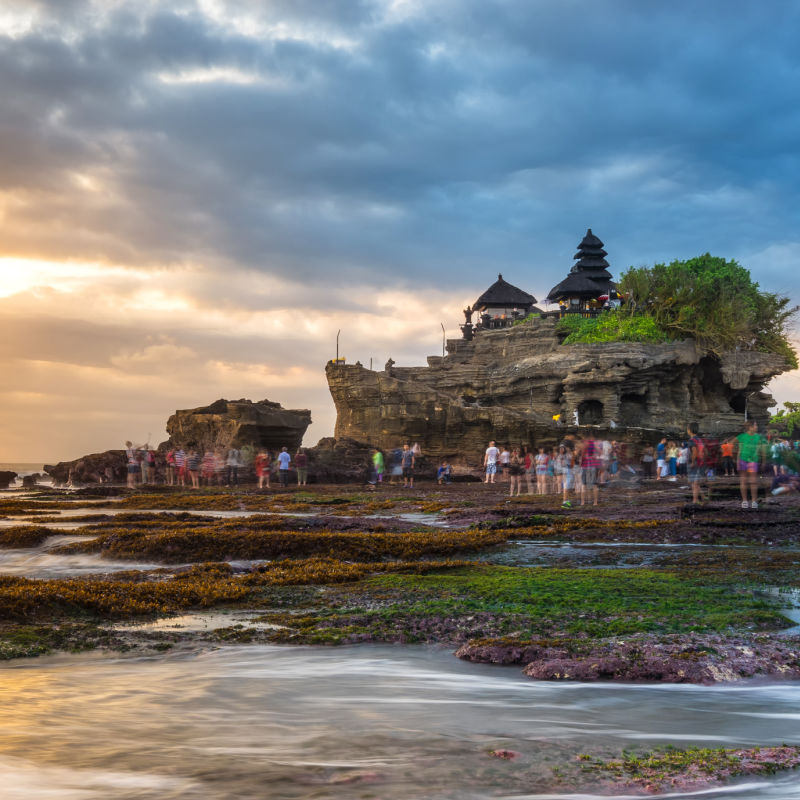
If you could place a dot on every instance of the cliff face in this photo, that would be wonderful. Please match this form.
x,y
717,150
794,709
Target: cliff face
x,y
237,423
507,385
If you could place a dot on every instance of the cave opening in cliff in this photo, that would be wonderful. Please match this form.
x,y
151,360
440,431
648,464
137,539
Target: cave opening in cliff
x,y
710,374
738,403
590,412
633,409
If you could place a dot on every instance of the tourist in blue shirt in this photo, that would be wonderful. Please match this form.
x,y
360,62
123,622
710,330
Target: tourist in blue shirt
x,y
284,459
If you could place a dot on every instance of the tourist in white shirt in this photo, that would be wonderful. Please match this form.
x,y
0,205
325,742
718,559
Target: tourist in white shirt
x,y
490,462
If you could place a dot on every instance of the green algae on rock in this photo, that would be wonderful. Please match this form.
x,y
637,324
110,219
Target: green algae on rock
x,y
681,770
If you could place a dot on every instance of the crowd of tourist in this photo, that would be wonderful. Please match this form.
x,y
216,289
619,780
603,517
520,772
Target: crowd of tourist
x,y
576,469
192,467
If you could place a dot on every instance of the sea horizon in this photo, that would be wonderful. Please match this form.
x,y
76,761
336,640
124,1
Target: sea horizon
x,y
24,466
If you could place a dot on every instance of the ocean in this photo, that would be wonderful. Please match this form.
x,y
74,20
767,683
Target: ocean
x,y
22,468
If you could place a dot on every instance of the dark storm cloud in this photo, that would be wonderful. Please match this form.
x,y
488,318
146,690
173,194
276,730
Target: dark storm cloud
x,y
439,145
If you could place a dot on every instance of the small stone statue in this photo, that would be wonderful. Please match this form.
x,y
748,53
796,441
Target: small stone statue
x,y
468,312
388,366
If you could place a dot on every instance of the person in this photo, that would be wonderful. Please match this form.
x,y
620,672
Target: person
x,y
220,467
193,467
530,469
150,458
684,457
180,466
751,453
605,448
697,460
568,476
144,464
541,471
208,467
502,461
301,465
590,465
672,460
133,464
407,460
614,458
551,472
516,469
232,463
284,460
444,473
661,459
560,468
726,451
776,447
262,466
170,462
397,464
490,462
648,458
378,465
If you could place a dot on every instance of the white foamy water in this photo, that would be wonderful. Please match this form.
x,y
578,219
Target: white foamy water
x,y
363,722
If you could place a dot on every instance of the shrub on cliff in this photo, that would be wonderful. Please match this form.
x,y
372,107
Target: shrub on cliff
x,y
612,327
707,298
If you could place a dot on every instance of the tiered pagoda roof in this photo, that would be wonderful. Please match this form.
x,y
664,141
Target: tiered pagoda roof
x,y
589,277
502,294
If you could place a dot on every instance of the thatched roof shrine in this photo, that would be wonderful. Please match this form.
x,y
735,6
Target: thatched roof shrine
x,y
502,295
589,277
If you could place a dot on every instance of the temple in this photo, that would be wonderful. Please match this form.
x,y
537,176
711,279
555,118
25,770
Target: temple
x,y
500,306
589,279
517,382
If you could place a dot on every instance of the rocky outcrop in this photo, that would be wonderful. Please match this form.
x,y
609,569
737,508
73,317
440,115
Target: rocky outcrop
x,y
520,385
339,461
239,423
705,659
223,424
108,467
7,477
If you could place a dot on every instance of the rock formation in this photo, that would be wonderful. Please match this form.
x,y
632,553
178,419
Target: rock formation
x,y
107,467
341,460
239,423
520,385
6,478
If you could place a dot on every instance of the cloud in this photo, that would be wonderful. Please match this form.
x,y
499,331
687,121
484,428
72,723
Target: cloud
x,y
215,175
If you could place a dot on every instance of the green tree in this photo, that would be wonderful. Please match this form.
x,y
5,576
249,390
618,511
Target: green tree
x,y
712,300
786,423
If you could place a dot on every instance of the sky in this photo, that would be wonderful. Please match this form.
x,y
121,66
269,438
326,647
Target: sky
x,y
197,195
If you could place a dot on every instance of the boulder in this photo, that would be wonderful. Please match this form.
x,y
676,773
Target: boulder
x,y
108,467
7,477
239,423
342,460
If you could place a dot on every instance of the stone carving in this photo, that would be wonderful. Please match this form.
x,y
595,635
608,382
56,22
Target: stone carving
x,y
520,385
